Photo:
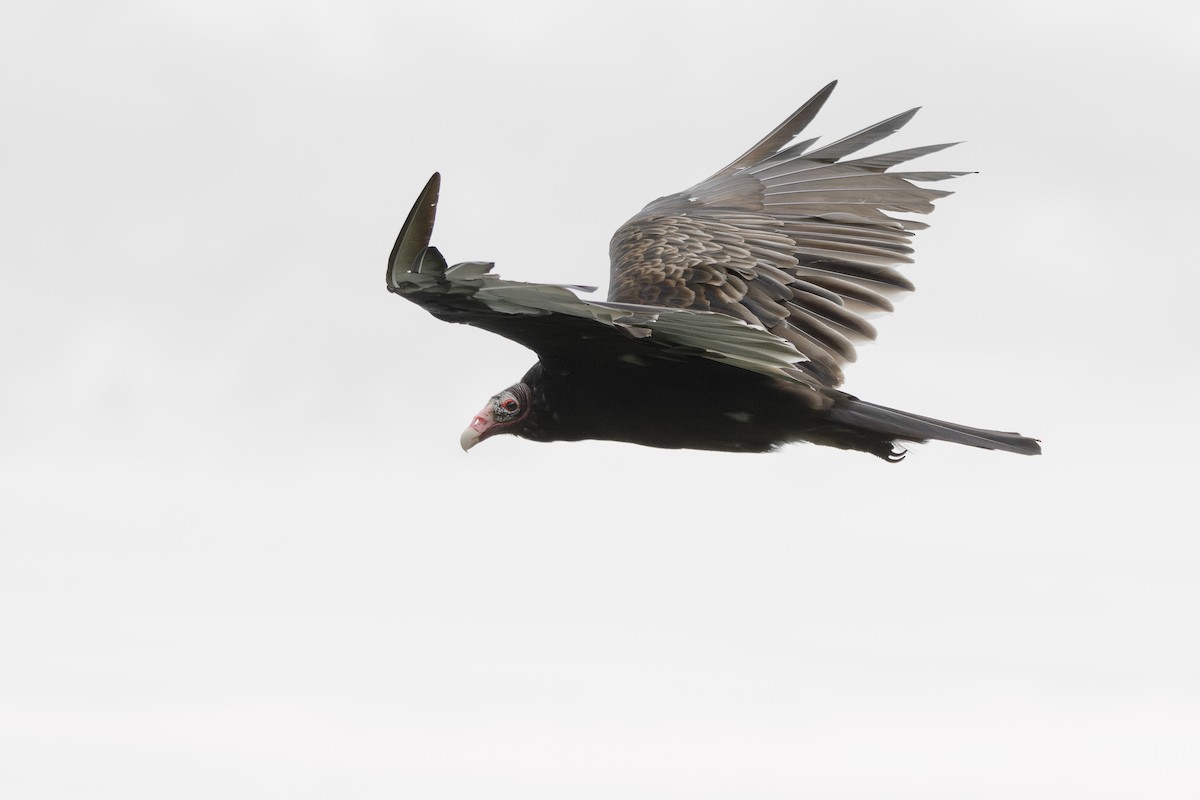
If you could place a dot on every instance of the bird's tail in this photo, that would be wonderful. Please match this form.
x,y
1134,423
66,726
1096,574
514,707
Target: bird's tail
x,y
861,415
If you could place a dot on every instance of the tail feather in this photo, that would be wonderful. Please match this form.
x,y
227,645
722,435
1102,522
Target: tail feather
x,y
860,414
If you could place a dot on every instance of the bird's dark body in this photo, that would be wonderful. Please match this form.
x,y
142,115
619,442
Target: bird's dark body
x,y
690,404
732,309
663,404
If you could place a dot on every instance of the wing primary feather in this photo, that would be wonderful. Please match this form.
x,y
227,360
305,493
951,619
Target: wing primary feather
x,y
884,277
893,254
887,160
871,235
414,236
853,326
837,345
817,353
811,287
864,138
930,176
783,133
792,151
848,290
768,312
774,287
431,262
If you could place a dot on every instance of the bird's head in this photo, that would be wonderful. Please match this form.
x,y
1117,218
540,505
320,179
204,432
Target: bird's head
x,y
506,412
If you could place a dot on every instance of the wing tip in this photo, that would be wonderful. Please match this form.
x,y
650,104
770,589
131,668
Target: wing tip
x,y
783,134
416,231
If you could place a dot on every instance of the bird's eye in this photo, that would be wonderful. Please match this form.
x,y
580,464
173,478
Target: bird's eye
x,y
510,405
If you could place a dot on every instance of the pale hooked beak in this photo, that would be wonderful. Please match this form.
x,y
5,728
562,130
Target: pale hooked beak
x,y
476,430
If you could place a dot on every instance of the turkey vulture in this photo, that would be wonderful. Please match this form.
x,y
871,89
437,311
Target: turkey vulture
x,y
732,308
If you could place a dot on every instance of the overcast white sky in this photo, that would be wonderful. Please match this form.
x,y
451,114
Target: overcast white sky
x,y
243,556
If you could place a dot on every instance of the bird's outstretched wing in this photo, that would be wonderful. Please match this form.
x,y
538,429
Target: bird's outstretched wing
x,y
559,326
796,242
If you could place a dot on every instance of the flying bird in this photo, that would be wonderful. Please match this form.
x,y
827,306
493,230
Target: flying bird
x,y
732,308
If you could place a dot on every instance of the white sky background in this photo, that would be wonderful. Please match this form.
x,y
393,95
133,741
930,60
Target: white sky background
x,y
243,556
